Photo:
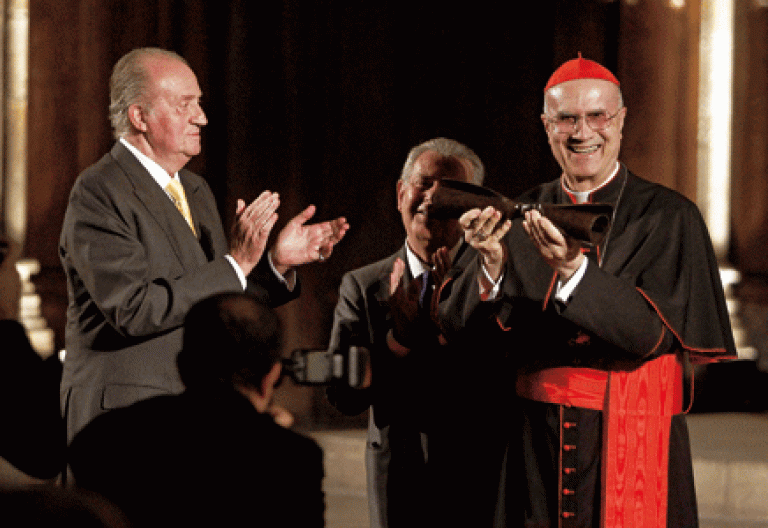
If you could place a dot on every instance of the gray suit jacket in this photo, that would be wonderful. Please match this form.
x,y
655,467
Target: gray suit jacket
x,y
362,315
134,268
433,395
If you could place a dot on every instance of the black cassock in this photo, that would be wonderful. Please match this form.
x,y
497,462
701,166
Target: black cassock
x,y
651,294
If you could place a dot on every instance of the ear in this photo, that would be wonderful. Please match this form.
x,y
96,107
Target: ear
x,y
268,382
400,190
621,116
137,117
545,122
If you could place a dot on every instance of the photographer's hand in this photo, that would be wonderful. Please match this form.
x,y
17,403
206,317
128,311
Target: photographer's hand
x,y
280,415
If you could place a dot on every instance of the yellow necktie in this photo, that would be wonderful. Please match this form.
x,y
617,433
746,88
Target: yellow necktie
x,y
176,192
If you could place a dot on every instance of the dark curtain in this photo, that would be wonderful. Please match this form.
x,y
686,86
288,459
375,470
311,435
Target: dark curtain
x,y
319,101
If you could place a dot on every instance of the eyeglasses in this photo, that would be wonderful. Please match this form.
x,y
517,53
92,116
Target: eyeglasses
x,y
567,124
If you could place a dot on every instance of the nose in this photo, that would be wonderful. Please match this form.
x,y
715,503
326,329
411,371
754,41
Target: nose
x,y
581,129
431,191
199,117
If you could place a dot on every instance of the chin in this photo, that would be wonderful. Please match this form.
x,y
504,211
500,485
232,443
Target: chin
x,y
582,172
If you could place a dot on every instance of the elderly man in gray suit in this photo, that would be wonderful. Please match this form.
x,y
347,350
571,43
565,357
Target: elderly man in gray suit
x,y
432,452
142,241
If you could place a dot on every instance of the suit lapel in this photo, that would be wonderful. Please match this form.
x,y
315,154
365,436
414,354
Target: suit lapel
x,y
203,217
180,237
191,190
463,257
407,275
460,261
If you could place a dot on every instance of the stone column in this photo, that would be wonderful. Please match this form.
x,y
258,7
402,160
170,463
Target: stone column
x,y
715,148
715,120
15,118
14,36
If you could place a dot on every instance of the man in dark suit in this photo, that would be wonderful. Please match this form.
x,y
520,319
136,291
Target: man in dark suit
x,y
211,456
428,437
138,253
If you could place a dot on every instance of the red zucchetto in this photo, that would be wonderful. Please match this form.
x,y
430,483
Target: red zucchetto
x,y
580,69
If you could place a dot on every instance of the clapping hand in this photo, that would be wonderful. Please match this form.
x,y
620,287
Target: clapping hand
x,y
251,229
408,321
298,243
403,305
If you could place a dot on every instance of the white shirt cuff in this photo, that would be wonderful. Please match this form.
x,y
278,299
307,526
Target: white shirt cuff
x,y
492,293
564,290
238,271
289,279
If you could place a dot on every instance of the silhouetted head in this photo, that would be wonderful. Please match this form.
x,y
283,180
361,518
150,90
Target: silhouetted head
x,y
230,339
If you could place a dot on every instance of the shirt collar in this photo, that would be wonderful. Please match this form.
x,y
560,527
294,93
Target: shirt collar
x,y
584,196
417,266
153,168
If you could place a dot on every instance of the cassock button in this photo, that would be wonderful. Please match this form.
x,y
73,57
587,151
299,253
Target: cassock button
x,y
567,491
569,447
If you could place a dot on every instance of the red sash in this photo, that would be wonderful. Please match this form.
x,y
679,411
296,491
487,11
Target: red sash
x,y
637,407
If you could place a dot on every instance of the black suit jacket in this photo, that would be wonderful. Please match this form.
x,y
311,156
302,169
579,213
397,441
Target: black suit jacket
x,y
202,458
134,268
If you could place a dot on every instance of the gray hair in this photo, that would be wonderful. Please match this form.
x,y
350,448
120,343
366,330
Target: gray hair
x,y
129,85
447,148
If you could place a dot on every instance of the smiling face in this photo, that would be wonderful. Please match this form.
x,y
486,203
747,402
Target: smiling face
x,y
588,157
425,236
170,118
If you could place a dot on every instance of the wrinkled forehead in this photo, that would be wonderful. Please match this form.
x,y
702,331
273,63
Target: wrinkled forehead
x,y
583,95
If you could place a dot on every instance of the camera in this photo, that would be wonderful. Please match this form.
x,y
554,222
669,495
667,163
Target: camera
x,y
322,367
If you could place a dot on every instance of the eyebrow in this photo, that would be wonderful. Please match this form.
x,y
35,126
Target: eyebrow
x,y
588,112
422,176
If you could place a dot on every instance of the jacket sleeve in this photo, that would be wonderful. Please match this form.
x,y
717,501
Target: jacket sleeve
x,y
350,322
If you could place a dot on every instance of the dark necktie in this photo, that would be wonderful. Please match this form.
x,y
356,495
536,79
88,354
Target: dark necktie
x,y
427,286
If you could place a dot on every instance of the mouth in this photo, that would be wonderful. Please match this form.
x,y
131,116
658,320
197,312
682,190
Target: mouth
x,y
584,150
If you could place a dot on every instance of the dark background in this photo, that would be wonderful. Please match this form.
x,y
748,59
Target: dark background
x,y
321,101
